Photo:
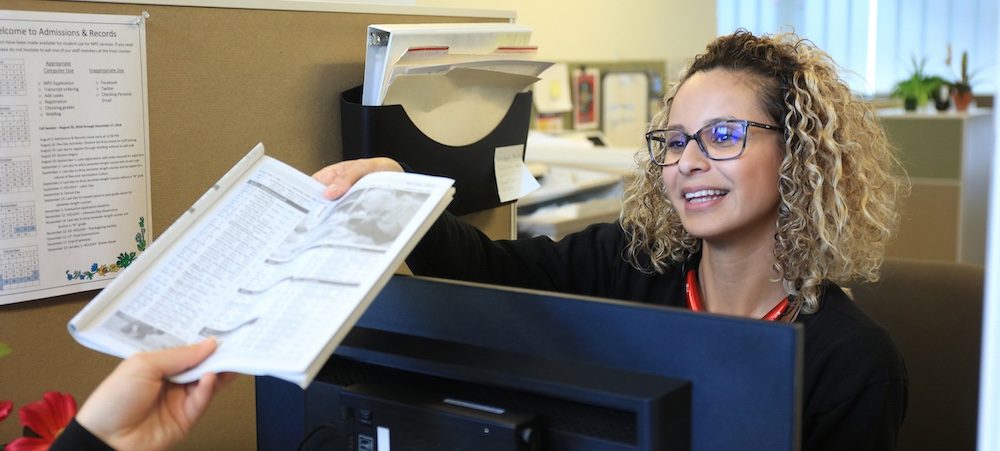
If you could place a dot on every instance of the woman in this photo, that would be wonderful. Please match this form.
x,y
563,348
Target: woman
x,y
766,183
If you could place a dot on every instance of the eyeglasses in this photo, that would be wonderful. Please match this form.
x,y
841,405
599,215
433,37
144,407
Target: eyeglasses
x,y
723,140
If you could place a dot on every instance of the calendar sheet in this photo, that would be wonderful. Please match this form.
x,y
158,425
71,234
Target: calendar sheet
x,y
74,173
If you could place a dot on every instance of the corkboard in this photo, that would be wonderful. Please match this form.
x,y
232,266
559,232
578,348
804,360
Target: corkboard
x,y
219,81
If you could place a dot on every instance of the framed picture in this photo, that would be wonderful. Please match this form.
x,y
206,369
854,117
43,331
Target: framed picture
x,y
586,98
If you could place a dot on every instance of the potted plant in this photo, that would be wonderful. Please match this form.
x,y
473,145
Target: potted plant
x,y
961,88
942,97
915,90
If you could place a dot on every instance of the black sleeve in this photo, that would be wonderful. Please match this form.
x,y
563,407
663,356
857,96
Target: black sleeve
x,y
856,390
77,438
587,262
869,421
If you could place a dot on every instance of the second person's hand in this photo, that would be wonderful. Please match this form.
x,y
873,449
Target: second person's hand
x,y
136,407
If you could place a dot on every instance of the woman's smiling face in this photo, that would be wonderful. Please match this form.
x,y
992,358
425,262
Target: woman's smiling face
x,y
731,199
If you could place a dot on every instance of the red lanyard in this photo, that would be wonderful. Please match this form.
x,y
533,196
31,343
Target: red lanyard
x,y
694,299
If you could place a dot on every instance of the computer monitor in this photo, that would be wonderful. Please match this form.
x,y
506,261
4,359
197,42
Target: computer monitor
x,y
564,367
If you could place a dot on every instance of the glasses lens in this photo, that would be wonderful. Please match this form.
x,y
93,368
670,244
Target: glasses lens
x,y
666,146
724,139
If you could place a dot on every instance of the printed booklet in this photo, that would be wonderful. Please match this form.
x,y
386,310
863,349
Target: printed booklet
x,y
277,273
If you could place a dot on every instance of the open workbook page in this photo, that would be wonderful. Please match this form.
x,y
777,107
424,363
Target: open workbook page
x,y
265,264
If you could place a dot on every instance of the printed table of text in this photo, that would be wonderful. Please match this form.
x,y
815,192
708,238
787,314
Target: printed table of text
x,y
17,220
15,174
18,268
14,126
13,81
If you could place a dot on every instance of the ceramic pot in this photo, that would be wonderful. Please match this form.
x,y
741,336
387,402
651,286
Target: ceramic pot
x,y
962,100
942,98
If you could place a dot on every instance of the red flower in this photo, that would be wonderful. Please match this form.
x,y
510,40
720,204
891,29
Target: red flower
x,y
47,418
5,408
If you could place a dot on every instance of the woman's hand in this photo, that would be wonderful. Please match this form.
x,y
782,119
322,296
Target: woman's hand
x,y
339,177
136,407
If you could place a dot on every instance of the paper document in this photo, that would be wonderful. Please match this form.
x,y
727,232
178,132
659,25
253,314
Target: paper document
x,y
459,107
387,43
75,205
552,92
439,60
514,179
265,264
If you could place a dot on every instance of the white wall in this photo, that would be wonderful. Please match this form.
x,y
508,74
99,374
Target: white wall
x,y
606,31
989,383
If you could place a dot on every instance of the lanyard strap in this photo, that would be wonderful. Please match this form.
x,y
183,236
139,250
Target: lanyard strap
x,y
694,302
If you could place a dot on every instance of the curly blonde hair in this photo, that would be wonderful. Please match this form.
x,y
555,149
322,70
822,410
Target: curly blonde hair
x,y
840,180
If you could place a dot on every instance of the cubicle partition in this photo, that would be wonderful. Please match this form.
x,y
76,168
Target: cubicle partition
x,y
948,157
222,76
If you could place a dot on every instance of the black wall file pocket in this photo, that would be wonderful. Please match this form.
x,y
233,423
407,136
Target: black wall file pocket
x,y
370,131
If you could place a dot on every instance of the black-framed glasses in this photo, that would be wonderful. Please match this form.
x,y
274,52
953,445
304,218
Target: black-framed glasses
x,y
723,140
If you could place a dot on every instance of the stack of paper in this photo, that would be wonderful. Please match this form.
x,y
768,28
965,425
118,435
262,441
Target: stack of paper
x,y
429,49
440,60
456,82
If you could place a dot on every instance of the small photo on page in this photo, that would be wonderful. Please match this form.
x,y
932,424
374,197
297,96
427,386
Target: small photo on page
x,y
141,334
370,217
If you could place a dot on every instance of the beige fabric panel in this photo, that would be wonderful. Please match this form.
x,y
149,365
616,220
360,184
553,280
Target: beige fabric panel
x,y
221,80
929,227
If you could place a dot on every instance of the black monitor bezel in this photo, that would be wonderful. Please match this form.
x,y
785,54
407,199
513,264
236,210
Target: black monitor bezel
x,y
746,375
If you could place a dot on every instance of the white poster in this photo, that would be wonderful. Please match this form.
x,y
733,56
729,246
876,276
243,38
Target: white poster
x,y
74,151
626,108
